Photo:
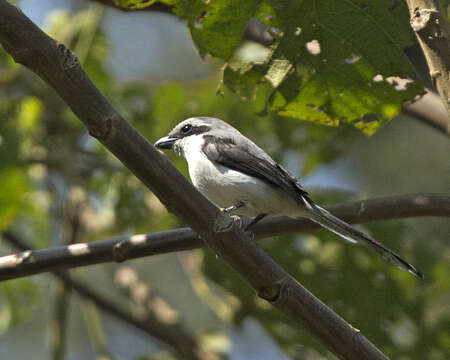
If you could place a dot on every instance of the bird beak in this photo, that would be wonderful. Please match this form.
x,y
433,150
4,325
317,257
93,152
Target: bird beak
x,y
165,143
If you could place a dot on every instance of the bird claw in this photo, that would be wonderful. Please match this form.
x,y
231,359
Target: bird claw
x,y
251,235
242,223
237,220
224,221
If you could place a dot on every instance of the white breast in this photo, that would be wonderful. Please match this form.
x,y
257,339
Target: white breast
x,y
226,187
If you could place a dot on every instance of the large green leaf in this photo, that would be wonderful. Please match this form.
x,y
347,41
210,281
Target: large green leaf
x,y
216,26
331,62
137,4
219,30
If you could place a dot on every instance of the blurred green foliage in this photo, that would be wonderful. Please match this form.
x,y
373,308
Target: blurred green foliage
x,y
51,169
331,62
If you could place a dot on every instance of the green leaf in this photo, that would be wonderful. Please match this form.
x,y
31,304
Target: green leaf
x,y
13,185
17,300
216,26
30,112
134,4
244,80
332,61
219,29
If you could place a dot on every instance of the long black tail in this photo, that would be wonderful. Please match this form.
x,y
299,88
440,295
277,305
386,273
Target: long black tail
x,y
327,220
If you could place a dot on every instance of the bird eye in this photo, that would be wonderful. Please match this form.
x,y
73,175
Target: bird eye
x,y
186,128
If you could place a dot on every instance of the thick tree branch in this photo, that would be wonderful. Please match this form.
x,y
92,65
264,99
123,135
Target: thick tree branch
x,y
56,65
131,247
172,335
433,34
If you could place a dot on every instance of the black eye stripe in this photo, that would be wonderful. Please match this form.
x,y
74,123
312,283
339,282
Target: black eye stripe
x,y
193,130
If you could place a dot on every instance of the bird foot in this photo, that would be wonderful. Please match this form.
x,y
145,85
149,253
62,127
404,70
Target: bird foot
x,y
251,235
224,221
243,224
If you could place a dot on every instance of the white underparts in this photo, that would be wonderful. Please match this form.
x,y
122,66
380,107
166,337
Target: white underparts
x,y
226,187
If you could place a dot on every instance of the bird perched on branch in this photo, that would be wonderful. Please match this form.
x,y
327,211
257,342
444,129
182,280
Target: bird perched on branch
x,y
238,176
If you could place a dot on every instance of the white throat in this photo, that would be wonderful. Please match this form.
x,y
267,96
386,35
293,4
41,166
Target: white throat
x,y
189,147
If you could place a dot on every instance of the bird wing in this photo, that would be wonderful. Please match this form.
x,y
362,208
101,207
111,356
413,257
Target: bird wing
x,y
251,160
244,159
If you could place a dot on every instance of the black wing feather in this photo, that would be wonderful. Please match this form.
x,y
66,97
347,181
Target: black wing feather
x,y
225,152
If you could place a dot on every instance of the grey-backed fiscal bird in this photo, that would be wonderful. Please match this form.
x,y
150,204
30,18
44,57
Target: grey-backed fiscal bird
x,y
237,175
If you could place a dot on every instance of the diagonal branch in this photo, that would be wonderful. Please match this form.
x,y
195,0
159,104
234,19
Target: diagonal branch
x,y
130,247
59,67
172,335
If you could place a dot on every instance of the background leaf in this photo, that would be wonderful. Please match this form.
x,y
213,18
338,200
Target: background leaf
x,y
325,64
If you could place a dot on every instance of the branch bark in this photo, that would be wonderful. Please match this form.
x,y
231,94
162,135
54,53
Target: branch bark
x,y
172,335
433,34
56,65
131,247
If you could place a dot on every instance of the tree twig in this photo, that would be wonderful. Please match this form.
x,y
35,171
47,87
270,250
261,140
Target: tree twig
x,y
136,246
63,293
182,343
59,67
58,326
95,331
433,34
